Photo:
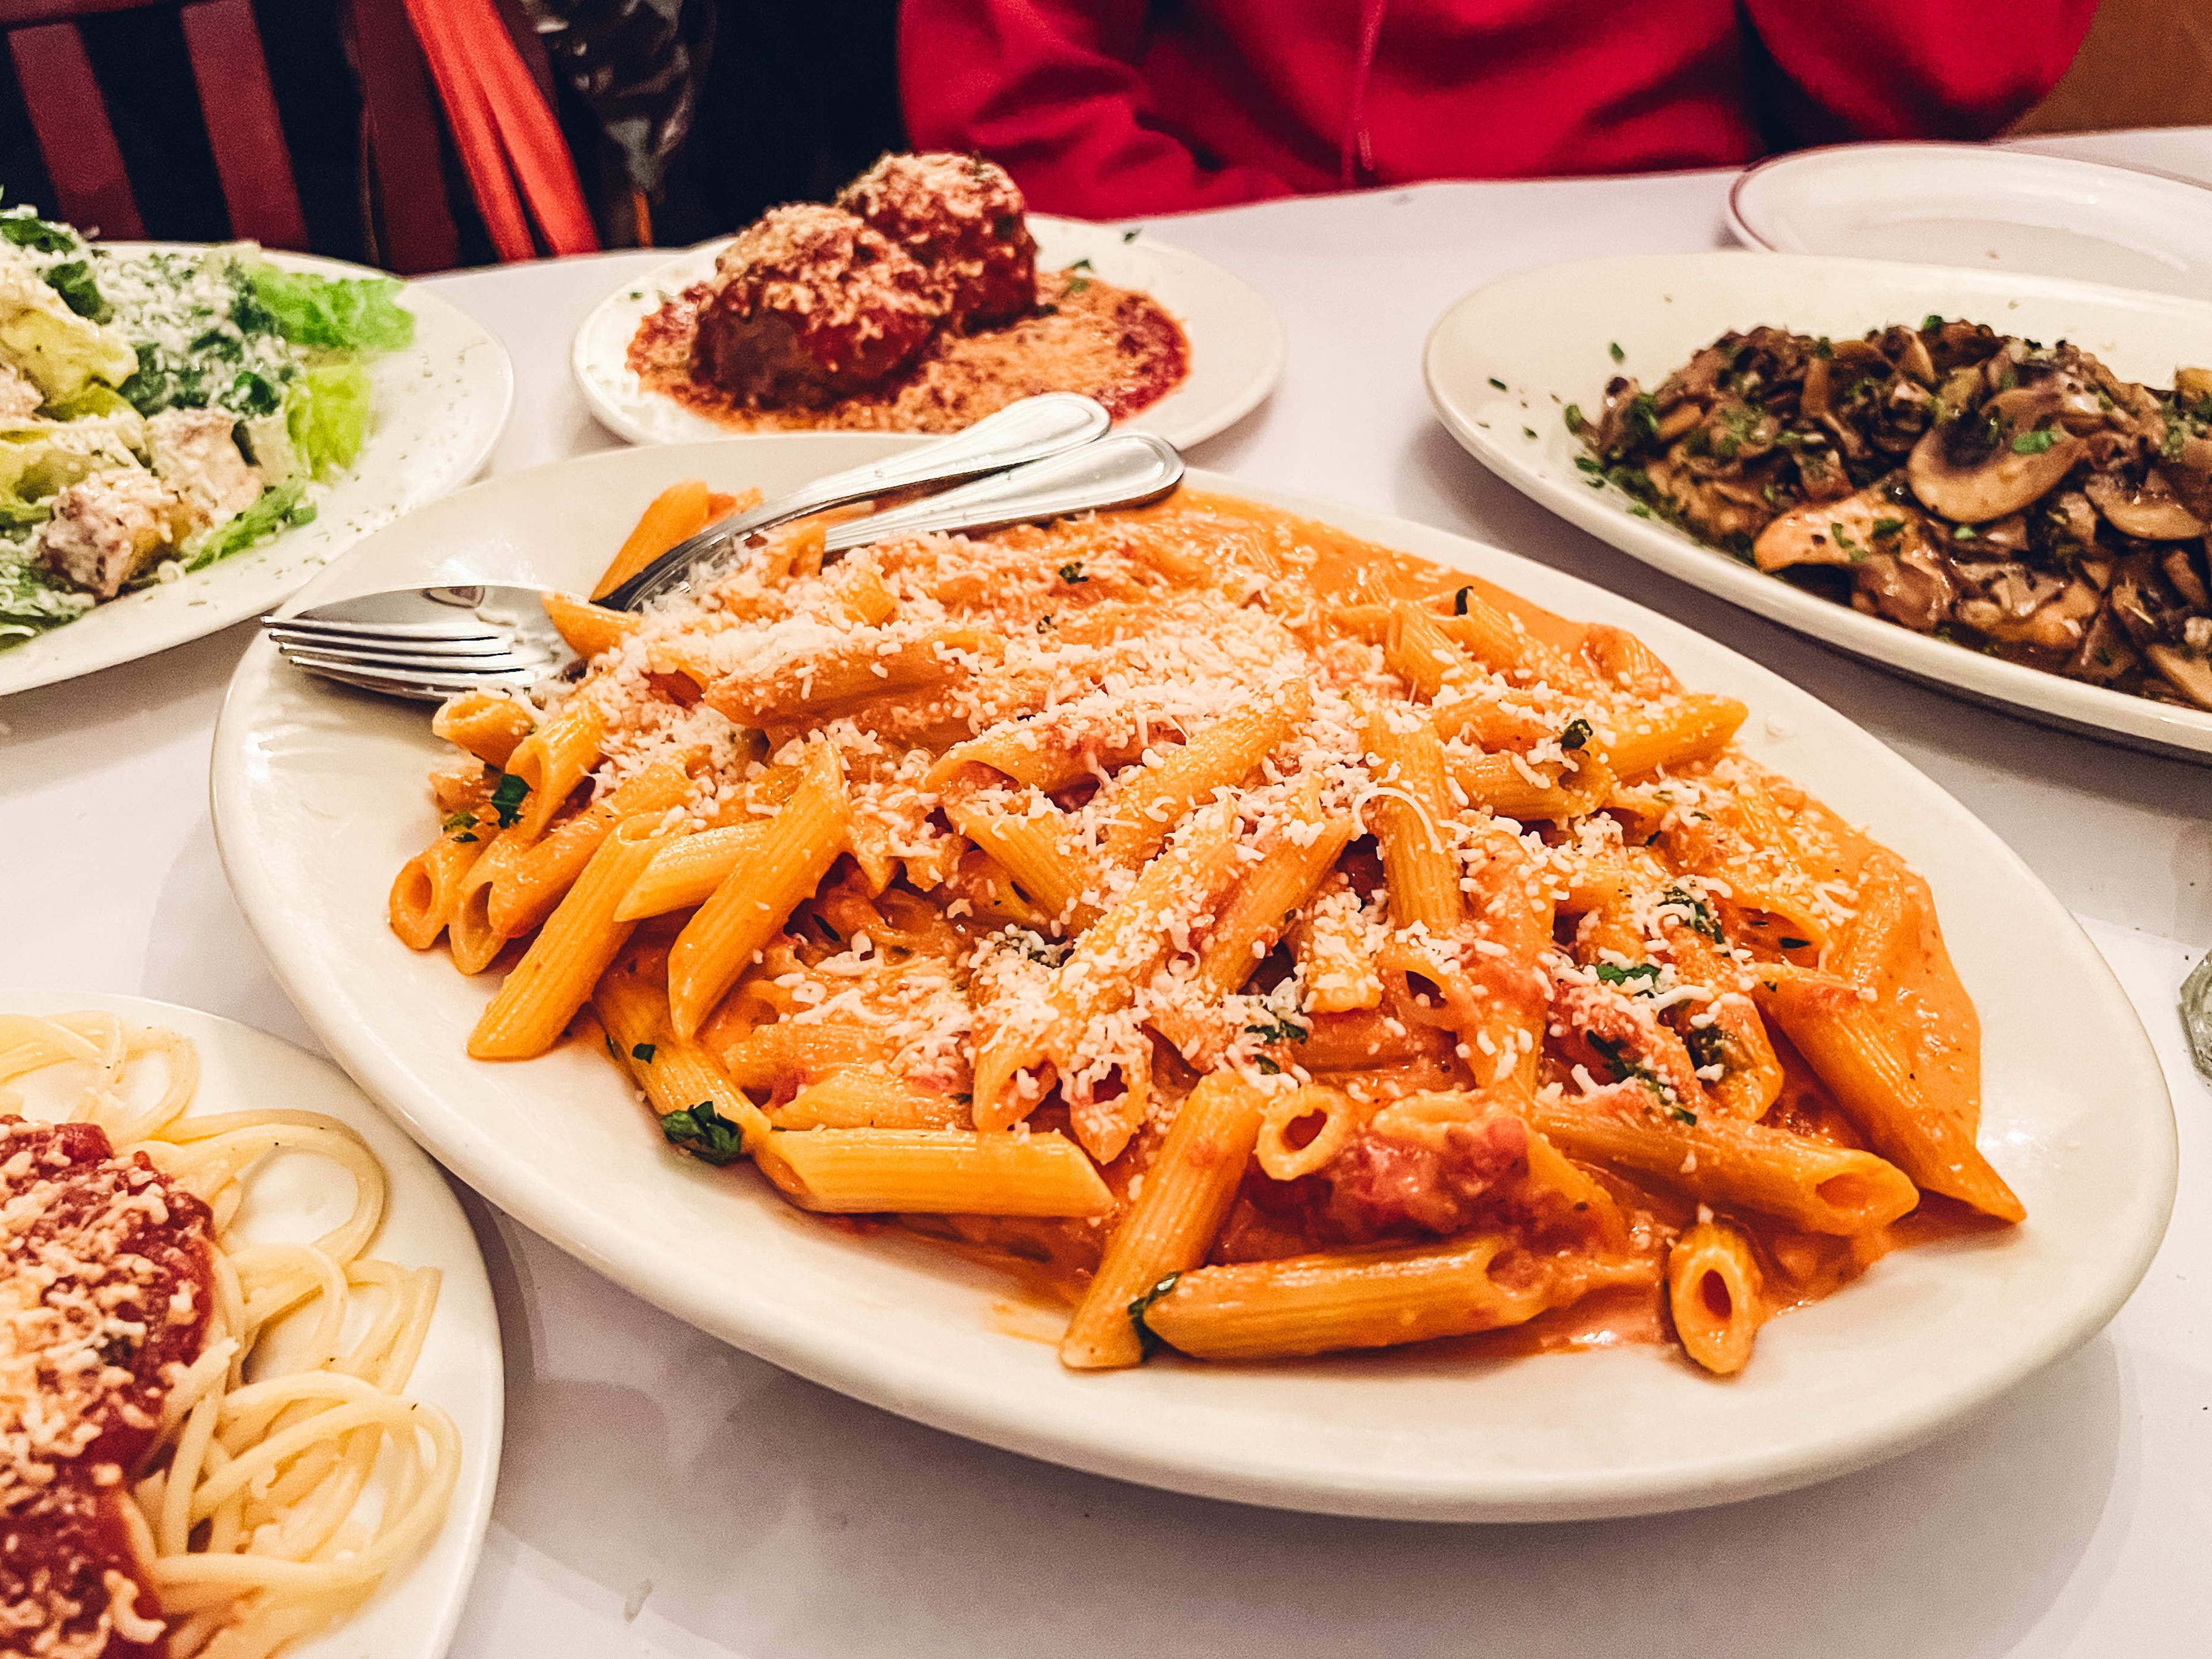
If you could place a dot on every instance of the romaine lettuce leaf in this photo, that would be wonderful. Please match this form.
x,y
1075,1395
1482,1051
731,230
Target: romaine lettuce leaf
x,y
327,412
31,601
340,313
277,509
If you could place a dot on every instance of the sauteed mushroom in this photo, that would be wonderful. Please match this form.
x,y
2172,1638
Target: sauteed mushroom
x,y
2018,498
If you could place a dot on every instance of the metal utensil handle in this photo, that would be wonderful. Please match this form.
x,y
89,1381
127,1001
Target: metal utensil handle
x,y
1124,470
1030,430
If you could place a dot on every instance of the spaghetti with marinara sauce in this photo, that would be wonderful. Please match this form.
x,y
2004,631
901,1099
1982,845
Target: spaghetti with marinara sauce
x,y
203,1448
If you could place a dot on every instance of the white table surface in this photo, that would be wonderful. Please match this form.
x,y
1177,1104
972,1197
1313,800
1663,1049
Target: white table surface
x,y
665,1495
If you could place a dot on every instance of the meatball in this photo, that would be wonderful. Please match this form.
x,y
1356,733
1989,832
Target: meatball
x,y
961,216
808,305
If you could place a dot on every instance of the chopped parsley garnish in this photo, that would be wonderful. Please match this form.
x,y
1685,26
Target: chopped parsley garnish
x,y
704,1133
1131,235
1614,351
506,798
1574,419
1624,1070
1933,319
2034,443
1577,733
643,1051
1528,431
1281,1029
1707,1046
1885,528
1701,920
1643,975
1499,384
1965,532
1083,264
1073,572
1148,1344
1077,284
1589,463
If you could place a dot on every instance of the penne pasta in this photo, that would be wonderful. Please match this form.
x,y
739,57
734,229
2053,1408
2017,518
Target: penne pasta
x,y
556,973
1715,1292
1188,1187
763,886
939,1172
1309,1304
1274,944
1813,1185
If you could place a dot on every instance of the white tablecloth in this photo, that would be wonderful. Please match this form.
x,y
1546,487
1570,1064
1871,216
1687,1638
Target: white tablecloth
x,y
663,1494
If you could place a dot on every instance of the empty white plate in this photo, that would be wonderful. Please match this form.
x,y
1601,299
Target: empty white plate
x,y
1982,208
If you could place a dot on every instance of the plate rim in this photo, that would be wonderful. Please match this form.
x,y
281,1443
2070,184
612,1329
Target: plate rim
x,y
1261,386
218,614
2028,693
1741,227
857,1365
478,1487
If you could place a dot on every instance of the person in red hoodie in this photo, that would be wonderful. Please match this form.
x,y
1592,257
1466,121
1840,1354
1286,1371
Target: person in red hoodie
x,y
1120,107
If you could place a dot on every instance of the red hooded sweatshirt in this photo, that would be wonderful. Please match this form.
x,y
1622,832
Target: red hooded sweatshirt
x,y
1120,107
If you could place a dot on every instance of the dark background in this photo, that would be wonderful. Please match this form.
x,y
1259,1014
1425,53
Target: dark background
x,y
800,95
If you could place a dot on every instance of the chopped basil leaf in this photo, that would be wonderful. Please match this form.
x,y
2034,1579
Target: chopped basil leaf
x,y
1577,733
704,1133
1702,919
1148,1344
1281,1029
1794,944
643,1051
1459,601
1683,1113
1267,1068
506,798
1073,572
461,821
1648,972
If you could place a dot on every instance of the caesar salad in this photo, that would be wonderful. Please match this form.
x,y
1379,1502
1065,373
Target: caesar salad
x,y
163,409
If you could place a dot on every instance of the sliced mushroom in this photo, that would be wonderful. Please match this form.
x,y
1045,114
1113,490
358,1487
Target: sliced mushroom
x,y
1914,360
1953,481
2186,671
1841,532
1911,588
2189,475
2181,571
2105,651
2149,511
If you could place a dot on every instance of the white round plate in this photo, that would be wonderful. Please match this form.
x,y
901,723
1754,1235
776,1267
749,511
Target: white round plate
x,y
440,407
320,797
412,1616
1235,339
1982,208
1502,362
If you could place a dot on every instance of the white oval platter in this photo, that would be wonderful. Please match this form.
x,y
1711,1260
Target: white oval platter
x,y
320,797
1504,362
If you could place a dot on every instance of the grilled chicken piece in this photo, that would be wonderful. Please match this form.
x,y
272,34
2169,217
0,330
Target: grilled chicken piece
x,y
108,528
196,454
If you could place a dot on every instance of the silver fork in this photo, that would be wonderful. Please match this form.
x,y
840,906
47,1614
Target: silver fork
x,y
427,643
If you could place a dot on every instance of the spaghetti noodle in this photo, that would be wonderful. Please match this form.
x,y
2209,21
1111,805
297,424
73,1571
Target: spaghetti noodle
x,y
243,1468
